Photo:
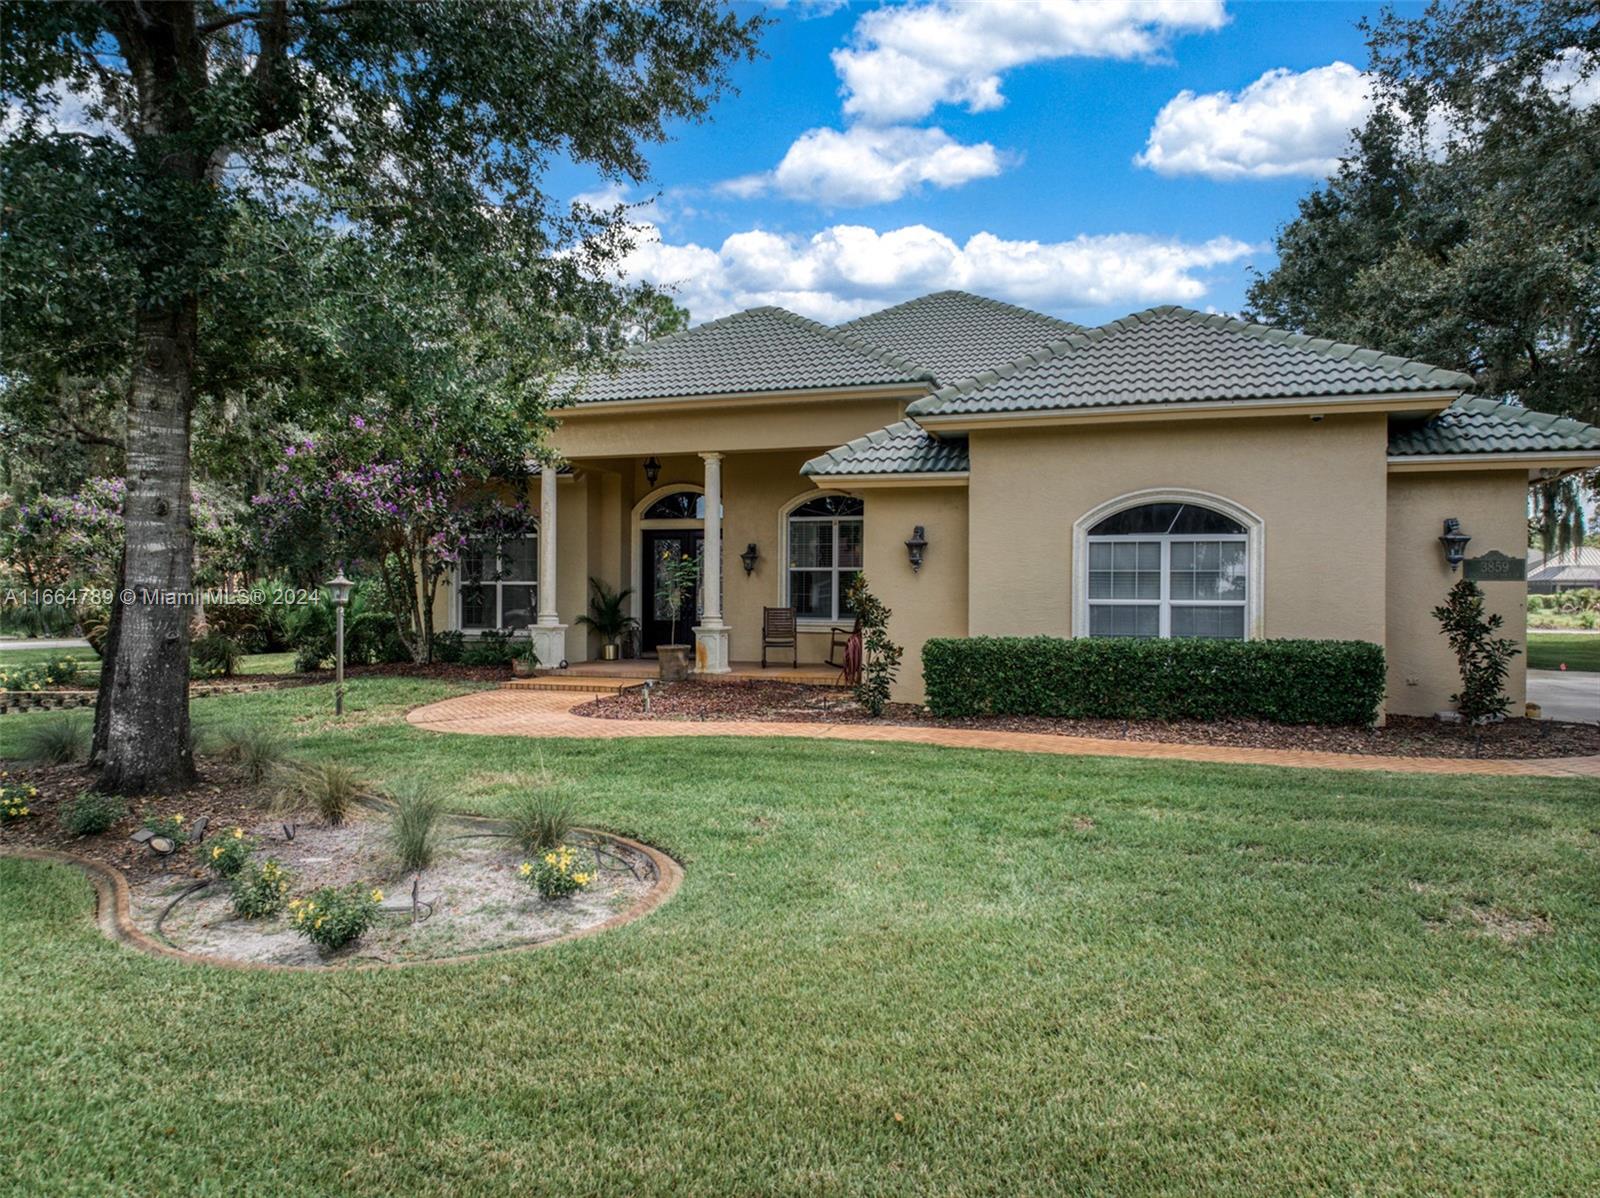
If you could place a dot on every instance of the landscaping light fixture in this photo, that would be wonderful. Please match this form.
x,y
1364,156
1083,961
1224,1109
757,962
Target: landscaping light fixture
x,y
1454,542
914,548
339,588
652,470
749,557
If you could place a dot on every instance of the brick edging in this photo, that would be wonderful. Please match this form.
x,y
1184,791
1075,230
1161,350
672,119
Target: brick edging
x,y
113,914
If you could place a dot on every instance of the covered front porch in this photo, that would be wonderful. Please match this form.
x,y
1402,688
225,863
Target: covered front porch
x,y
765,537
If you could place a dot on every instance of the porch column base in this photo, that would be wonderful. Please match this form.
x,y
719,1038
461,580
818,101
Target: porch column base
x,y
711,649
550,645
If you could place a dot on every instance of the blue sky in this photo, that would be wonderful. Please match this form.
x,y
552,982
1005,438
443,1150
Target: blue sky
x,y
878,153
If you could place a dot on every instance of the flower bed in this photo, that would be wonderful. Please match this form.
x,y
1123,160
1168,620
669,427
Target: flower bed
x,y
1402,736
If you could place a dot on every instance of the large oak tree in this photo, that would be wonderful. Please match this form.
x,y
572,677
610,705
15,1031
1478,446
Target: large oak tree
x,y
423,128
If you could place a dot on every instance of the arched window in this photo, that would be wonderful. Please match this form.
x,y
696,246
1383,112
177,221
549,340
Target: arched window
x,y
678,505
824,548
1169,570
499,583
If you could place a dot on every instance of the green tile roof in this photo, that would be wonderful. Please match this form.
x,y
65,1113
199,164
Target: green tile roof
x,y
1173,355
903,448
956,334
1472,426
759,350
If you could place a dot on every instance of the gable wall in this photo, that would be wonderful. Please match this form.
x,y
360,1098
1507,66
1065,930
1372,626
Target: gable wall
x,y
1318,487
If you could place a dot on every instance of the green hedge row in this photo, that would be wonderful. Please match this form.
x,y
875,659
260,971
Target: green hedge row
x,y
1291,682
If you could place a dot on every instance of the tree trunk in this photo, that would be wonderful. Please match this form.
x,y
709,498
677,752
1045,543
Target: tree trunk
x,y
146,716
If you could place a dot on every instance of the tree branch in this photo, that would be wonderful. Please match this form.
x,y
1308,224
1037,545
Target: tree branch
x,y
238,18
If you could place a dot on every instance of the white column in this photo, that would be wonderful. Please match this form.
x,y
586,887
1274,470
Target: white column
x,y
711,636
549,634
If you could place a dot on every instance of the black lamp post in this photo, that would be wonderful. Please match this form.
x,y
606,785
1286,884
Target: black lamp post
x,y
748,557
652,470
915,547
1454,542
339,591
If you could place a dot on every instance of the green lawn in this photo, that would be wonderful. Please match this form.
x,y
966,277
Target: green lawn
x,y
254,663
890,970
1548,650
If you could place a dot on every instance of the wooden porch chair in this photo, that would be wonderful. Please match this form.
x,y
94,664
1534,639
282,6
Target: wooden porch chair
x,y
777,632
839,643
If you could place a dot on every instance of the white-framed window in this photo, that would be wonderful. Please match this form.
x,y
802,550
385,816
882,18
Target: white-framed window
x,y
1169,569
498,584
823,537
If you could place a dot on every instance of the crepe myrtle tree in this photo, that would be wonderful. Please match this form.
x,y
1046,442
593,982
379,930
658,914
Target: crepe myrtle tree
x,y
400,506
424,126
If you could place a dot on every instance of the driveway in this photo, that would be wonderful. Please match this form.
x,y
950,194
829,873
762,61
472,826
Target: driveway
x,y
1566,694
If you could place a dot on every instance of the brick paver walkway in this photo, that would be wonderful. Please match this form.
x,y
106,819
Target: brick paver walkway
x,y
549,714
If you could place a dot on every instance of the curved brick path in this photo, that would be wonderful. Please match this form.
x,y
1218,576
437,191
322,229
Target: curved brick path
x,y
549,714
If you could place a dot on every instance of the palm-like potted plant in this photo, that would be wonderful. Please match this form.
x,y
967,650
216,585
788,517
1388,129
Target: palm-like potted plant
x,y
608,617
524,661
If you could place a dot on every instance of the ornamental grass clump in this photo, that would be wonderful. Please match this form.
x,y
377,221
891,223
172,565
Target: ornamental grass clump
x,y
260,889
556,875
329,789
16,798
335,916
259,749
228,854
415,825
90,813
538,821
56,740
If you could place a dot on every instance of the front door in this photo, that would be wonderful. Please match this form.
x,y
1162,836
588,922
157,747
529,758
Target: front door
x,y
657,628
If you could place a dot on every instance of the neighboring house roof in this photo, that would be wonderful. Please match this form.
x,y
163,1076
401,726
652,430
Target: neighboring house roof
x,y
1474,426
759,350
1173,355
903,448
1577,566
956,334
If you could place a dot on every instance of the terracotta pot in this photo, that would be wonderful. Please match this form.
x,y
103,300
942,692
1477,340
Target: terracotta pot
x,y
521,668
674,661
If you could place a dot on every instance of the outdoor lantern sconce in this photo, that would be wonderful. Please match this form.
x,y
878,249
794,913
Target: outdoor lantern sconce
x,y
748,557
914,548
1454,542
339,588
652,470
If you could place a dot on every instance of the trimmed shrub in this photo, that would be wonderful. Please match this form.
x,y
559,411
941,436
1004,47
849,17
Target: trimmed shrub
x,y
1287,681
90,813
492,648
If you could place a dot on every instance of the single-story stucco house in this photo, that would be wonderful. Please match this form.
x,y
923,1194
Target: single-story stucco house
x,y
1170,474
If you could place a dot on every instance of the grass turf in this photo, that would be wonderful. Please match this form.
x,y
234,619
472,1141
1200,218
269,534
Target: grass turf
x,y
1548,650
253,663
890,970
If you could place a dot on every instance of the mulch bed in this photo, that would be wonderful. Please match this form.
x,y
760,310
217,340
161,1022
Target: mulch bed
x,y
222,794
1402,736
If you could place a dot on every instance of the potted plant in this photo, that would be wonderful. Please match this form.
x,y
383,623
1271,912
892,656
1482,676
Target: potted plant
x,y
608,617
674,577
523,659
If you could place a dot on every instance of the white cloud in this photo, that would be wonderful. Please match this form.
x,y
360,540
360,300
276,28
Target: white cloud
x,y
61,109
905,60
1285,123
1575,77
869,165
846,270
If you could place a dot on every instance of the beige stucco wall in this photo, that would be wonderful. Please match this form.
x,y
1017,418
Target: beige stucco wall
x,y
796,423
930,602
1492,508
1318,488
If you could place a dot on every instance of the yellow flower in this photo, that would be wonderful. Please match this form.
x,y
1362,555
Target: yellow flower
x,y
525,869
377,895
177,819
238,833
581,879
549,858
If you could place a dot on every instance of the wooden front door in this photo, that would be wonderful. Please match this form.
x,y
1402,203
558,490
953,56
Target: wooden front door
x,y
657,628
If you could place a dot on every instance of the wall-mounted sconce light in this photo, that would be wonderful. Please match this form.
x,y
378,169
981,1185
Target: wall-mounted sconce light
x,y
1454,542
915,547
652,470
748,557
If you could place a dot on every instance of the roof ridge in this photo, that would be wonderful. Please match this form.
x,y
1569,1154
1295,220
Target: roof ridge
x,y
1425,372
851,341
986,301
